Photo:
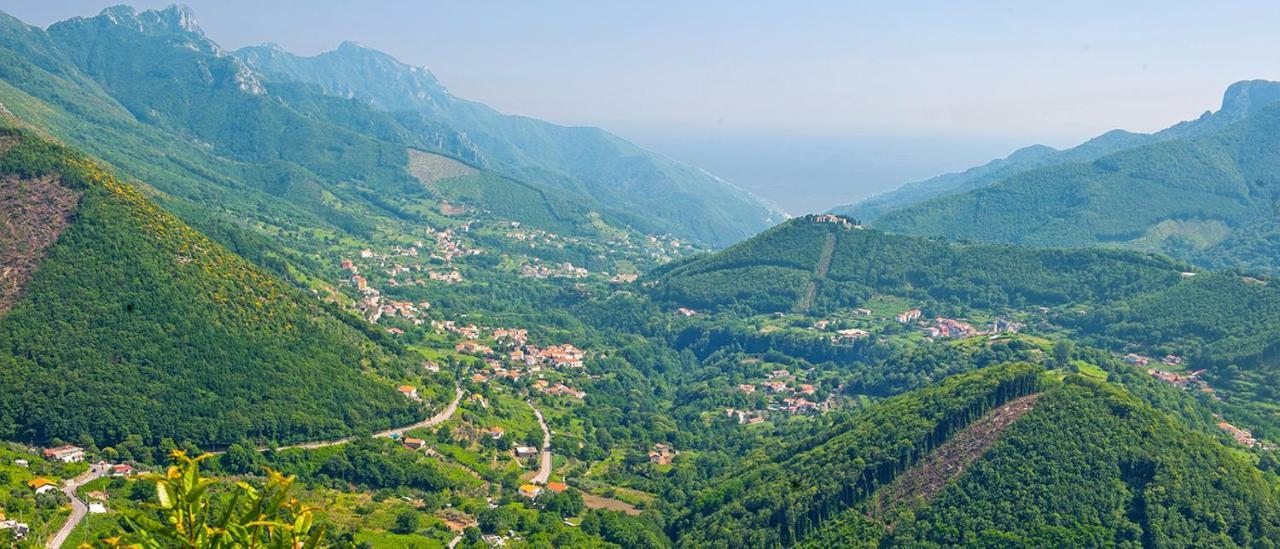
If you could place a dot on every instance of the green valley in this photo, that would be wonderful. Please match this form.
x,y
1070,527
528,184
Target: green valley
x,y
253,298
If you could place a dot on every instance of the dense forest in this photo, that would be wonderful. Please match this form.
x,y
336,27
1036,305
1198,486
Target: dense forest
x,y
133,317
1090,466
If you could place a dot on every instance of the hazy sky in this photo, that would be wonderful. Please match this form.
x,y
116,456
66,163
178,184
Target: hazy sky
x,y
996,73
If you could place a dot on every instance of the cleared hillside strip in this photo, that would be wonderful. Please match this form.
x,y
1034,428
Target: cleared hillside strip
x,y
819,273
33,212
430,167
922,483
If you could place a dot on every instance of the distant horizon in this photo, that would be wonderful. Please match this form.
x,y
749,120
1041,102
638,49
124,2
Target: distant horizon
x,y
689,81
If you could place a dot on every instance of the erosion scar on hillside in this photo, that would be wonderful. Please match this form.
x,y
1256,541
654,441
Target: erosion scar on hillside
x,y
33,212
819,273
920,484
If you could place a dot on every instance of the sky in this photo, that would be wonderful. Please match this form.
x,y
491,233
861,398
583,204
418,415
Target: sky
x,y
882,92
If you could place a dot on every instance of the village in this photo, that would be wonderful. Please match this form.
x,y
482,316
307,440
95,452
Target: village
x,y
51,476
781,392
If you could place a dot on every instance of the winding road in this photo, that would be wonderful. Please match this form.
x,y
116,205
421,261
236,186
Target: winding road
x,y
78,507
437,419
544,470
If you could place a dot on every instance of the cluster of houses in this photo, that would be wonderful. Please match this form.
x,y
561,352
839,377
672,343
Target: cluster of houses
x,y
473,348
537,236
532,357
373,308
470,331
744,417
910,315
794,398
449,246
512,357
945,328
800,406
1241,436
532,491
841,220
537,269
662,454
1139,360
447,277
558,389
1180,380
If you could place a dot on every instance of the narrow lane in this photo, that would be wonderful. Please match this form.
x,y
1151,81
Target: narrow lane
x,y
437,419
78,507
544,469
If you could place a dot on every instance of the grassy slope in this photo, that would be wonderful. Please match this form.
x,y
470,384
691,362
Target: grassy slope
x,y
135,323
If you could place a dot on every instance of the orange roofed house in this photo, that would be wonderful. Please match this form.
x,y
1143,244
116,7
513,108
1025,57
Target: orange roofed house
x,y
409,391
42,485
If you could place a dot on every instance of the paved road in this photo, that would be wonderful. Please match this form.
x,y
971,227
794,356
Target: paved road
x,y
437,419
454,542
544,470
78,508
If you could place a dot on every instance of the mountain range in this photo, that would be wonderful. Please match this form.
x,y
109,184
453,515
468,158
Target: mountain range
x,y
283,131
1199,190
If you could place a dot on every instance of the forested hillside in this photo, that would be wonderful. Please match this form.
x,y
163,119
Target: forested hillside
x,y
769,273
1207,197
785,497
134,324
1240,100
1089,466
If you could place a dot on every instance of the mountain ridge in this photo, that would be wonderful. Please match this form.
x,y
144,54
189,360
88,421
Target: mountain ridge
x,y
1240,99
576,158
